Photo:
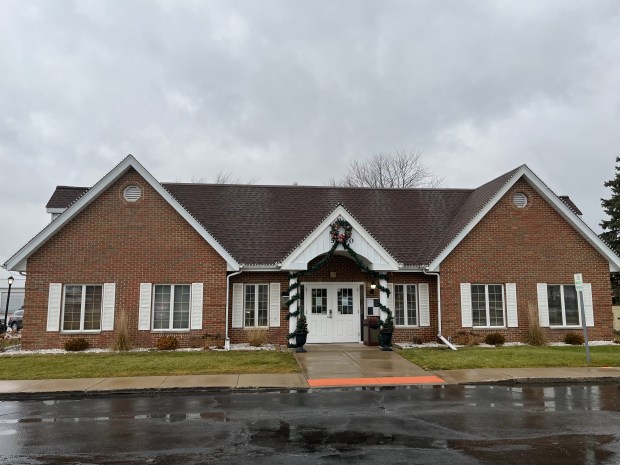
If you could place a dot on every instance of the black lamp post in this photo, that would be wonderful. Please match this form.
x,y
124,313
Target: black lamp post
x,y
4,324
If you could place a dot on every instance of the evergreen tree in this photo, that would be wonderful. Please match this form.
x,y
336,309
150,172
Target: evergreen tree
x,y
611,226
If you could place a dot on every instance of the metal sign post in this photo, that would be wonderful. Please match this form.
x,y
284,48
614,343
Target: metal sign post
x,y
579,288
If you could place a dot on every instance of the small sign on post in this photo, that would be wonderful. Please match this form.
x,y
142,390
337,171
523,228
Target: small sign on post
x,y
579,289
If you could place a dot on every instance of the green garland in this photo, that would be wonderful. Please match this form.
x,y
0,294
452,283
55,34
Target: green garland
x,y
337,239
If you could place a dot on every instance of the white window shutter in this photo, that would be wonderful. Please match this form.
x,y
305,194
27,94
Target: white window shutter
x,y
144,313
237,306
588,308
109,296
54,301
543,305
425,309
196,311
512,318
390,302
274,305
466,318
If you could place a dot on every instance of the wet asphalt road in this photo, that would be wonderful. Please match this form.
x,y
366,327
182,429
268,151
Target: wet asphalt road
x,y
427,425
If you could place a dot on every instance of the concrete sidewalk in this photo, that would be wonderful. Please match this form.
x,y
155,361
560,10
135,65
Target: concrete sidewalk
x,y
531,375
153,383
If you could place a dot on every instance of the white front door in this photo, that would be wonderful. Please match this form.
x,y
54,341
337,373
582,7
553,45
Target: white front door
x,y
333,312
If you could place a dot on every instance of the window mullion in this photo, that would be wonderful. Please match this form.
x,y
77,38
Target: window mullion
x,y
562,304
487,306
171,310
256,299
83,307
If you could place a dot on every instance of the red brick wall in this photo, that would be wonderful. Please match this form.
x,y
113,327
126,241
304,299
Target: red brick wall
x,y
525,246
114,241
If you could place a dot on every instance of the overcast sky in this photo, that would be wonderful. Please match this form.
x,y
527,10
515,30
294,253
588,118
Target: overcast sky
x,y
285,92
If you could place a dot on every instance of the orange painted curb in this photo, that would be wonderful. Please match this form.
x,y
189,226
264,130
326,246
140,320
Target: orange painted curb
x,y
333,382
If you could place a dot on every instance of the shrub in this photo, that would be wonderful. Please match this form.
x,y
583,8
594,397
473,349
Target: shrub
x,y
213,340
574,339
494,339
122,343
196,342
617,337
535,336
466,338
76,344
257,337
417,340
167,343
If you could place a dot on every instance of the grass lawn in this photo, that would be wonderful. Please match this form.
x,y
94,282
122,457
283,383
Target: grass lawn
x,y
511,357
80,365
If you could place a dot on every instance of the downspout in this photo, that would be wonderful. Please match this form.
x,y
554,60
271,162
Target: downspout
x,y
227,339
439,335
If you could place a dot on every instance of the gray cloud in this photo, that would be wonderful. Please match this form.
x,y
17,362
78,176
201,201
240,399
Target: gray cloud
x,y
292,91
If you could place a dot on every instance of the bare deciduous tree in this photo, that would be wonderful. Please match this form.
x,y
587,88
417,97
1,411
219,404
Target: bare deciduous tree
x,y
226,177
400,170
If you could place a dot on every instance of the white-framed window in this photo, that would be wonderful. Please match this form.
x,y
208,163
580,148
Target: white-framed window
x,y
256,305
564,307
405,305
171,306
487,305
81,310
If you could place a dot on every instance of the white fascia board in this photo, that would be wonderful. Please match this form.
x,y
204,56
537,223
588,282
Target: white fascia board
x,y
18,261
55,210
554,201
289,263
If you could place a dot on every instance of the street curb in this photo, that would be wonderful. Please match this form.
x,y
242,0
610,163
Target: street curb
x,y
150,392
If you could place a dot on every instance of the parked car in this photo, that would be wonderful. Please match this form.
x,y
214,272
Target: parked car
x,y
16,321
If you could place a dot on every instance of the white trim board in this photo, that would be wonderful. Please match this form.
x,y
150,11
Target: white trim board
x,y
552,199
295,261
18,262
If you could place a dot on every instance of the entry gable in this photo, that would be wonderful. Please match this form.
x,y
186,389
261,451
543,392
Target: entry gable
x,y
509,181
319,242
18,262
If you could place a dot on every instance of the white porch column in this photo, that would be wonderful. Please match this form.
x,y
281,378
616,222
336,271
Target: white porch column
x,y
292,322
383,297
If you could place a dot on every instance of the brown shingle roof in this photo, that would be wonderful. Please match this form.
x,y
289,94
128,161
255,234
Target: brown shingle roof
x,y
263,224
64,196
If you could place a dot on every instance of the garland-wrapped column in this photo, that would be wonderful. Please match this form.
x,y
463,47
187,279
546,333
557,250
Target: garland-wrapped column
x,y
383,297
294,289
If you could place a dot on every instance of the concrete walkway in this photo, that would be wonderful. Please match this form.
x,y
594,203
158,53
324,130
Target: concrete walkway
x,y
329,365
322,366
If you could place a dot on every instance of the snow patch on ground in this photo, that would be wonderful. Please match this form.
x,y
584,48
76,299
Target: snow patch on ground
x,y
408,345
16,350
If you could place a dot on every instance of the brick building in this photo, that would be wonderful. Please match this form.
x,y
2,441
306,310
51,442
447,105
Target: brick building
x,y
196,259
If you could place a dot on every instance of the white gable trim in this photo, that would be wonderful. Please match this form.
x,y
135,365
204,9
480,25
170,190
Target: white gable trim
x,y
295,261
542,189
18,261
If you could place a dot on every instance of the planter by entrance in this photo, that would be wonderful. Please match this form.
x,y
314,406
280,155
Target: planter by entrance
x,y
385,341
300,340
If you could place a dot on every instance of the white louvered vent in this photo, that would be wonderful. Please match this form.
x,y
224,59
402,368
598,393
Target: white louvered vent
x,y
519,200
132,193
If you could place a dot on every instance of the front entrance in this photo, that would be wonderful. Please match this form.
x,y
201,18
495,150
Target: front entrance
x,y
333,312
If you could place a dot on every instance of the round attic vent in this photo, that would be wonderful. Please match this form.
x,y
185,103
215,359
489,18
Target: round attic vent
x,y
519,200
132,193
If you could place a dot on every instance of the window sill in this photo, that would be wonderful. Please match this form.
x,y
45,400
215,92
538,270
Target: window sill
x,y
407,326
488,327
170,330
87,331
250,328
566,327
